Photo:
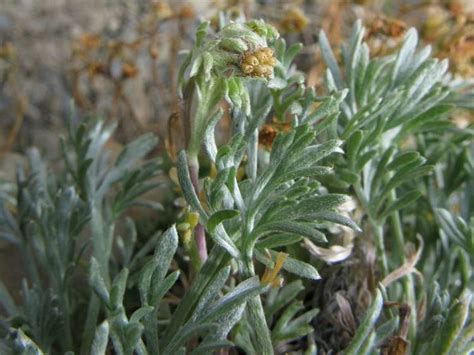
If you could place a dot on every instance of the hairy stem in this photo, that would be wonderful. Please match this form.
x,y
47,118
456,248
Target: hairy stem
x,y
30,262
218,258
102,237
151,332
253,156
407,281
378,234
193,142
67,341
199,232
376,227
90,325
256,315
254,310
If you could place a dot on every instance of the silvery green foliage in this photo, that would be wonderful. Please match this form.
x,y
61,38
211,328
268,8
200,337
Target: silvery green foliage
x,y
457,230
258,204
54,214
286,182
390,98
246,218
448,327
42,319
19,343
49,218
284,189
280,201
58,216
212,318
449,201
407,162
286,316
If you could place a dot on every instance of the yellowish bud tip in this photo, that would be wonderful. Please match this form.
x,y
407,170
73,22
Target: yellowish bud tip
x,y
187,235
193,219
270,276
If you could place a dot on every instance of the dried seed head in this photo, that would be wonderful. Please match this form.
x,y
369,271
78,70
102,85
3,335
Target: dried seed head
x,y
161,9
267,135
295,21
153,51
129,70
259,63
90,41
7,51
187,12
459,48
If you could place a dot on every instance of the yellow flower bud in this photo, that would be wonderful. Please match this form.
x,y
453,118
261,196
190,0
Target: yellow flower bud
x,y
247,69
252,60
268,52
261,56
259,70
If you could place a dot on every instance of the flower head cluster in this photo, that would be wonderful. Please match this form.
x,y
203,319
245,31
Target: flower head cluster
x,y
241,49
259,63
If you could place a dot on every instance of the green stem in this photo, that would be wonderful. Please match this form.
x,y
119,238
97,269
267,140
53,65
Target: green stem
x,y
366,326
67,341
218,258
102,237
376,227
399,245
256,315
378,234
194,128
30,262
199,232
277,104
90,325
253,156
151,332
261,336
407,281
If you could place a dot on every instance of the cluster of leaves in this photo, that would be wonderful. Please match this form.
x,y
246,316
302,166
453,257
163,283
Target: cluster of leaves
x,y
279,203
408,163
63,226
404,162
56,220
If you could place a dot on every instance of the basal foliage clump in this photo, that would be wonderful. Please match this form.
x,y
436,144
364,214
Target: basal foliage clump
x,y
237,269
